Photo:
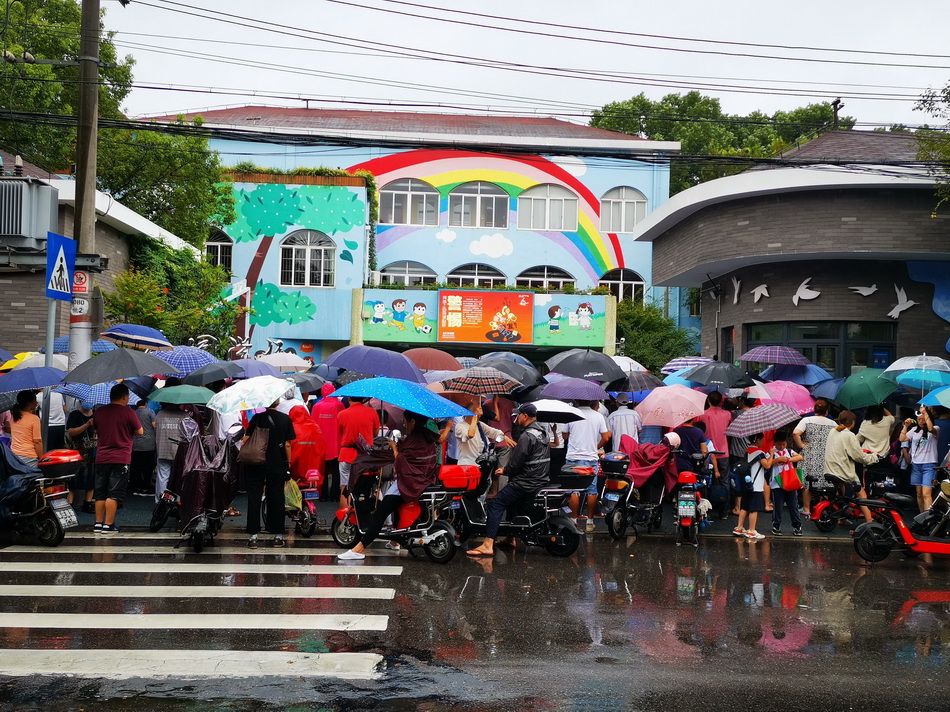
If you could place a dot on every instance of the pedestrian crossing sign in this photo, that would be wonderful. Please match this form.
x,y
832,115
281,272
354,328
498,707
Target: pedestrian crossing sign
x,y
60,264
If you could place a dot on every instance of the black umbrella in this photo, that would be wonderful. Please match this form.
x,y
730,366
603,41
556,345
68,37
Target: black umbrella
x,y
718,373
641,381
141,386
121,363
528,375
308,382
212,372
587,364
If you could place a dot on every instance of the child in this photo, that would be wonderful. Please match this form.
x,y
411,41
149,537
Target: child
x,y
753,499
785,459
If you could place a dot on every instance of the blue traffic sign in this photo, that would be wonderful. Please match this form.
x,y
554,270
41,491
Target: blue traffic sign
x,y
60,265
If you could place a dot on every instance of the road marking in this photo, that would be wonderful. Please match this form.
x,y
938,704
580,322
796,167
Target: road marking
x,y
355,568
114,591
187,664
172,536
265,550
192,621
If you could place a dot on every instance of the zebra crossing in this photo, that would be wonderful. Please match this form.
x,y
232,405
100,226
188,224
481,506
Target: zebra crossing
x,y
132,606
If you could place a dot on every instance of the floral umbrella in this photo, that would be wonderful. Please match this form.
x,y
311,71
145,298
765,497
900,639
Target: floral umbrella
x,y
251,393
671,406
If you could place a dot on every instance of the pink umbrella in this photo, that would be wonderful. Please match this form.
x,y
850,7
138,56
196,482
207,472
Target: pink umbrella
x,y
785,392
671,406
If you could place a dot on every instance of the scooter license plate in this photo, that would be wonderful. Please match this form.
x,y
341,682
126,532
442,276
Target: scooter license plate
x,y
311,495
612,496
64,513
455,505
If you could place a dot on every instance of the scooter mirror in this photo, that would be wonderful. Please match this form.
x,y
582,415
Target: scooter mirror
x,y
945,488
395,435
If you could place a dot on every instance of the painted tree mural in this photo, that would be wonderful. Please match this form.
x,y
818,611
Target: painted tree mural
x,y
270,305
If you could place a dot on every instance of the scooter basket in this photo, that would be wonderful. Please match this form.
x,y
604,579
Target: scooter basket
x,y
58,463
575,478
460,478
615,463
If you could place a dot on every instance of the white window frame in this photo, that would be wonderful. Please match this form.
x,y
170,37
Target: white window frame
x,y
302,253
545,277
407,272
547,208
625,284
478,204
624,205
420,203
481,275
215,245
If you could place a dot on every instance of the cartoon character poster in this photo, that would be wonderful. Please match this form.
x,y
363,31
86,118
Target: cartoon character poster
x,y
486,317
569,320
396,315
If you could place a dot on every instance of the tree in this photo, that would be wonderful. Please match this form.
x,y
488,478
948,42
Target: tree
x,y
934,143
705,131
651,338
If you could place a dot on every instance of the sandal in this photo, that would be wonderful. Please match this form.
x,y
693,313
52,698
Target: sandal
x,y
478,554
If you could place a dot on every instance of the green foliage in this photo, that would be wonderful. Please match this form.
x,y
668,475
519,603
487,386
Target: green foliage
x,y
273,306
138,299
935,144
703,129
49,29
651,338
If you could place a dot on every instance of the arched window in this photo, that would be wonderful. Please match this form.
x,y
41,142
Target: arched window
x,y
478,204
408,202
476,275
544,276
624,284
547,207
307,259
409,273
218,248
621,209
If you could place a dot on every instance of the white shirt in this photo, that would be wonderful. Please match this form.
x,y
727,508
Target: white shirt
x,y
57,413
584,435
624,421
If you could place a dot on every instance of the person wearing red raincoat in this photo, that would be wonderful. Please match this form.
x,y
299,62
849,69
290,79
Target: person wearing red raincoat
x,y
308,451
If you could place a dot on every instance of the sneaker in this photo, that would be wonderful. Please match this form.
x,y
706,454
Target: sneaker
x,y
754,535
97,528
738,531
252,543
109,529
776,531
279,543
393,546
350,556
591,527
797,532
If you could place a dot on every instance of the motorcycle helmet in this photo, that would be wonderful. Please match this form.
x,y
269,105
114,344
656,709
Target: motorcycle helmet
x,y
673,440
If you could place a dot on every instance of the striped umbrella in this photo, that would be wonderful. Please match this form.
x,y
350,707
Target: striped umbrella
x,y
642,381
186,358
480,381
678,364
761,419
775,354
136,336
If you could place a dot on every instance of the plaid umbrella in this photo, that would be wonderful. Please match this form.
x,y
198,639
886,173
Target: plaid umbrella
x,y
136,336
98,394
480,381
642,381
186,358
568,388
682,362
61,346
466,361
761,419
718,373
671,406
775,354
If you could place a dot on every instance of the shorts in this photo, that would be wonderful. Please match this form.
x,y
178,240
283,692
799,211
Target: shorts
x,y
85,479
345,474
111,482
922,474
752,501
592,488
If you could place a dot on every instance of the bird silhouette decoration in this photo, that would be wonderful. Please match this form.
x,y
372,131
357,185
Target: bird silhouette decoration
x,y
903,303
805,293
864,291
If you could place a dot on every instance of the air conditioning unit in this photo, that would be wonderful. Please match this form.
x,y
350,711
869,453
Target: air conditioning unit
x,y
29,209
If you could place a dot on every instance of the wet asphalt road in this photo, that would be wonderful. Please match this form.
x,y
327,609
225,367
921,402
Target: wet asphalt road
x,y
780,624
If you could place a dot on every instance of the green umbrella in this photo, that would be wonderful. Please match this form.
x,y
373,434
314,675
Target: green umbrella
x,y
865,388
182,395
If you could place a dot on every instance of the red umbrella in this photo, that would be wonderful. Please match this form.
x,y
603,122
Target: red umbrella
x,y
429,359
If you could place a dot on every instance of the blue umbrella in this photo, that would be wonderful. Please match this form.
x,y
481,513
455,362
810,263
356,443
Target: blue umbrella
x,y
186,358
828,389
403,394
5,355
29,379
676,378
252,368
466,361
136,336
376,362
808,375
568,388
61,346
924,380
98,394
939,396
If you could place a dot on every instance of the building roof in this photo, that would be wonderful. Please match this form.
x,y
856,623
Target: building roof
x,y
857,146
524,131
30,170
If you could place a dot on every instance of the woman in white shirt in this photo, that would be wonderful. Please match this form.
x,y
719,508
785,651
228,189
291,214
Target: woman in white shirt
x,y
875,432
922,440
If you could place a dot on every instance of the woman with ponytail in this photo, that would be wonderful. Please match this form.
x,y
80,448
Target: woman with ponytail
x,y
25,430
842,451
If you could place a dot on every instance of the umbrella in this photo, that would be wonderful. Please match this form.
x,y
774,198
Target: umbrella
x,y
98,394
285,362
255,392
921,379
676,378
217,371
186,358
555,411
136,336
584,363
29,379
121,363
641,381
628,364
61,346
718,373
865,388
785,392
509,355
802,375
308,382
528,375
327,373
429,359
828,389
480,381
183,394
775,354
915,363
671,406
350,376
7,401
141,385
682,362
568,388
39,361
761,419
375,361
5,356
403,394
436,376
466,361
939,396
251,368
17,360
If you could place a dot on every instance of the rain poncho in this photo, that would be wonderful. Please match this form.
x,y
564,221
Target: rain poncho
x,y
308,450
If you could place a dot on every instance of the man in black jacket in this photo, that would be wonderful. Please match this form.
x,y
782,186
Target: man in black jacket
x,y
527,472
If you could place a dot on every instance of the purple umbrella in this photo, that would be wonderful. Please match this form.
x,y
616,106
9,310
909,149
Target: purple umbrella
x,y
775,354
251,368
376,362
568,388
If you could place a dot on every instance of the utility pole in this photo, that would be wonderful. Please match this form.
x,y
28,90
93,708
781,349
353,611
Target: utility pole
x,y
837,106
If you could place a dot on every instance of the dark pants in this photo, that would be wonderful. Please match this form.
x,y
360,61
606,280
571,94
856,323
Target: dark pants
x,y
331,479
782,498
141,470
269,484
506,498
388,505
56,437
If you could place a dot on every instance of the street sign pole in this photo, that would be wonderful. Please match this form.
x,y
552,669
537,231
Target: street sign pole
x,y
48,361
60,268
81,324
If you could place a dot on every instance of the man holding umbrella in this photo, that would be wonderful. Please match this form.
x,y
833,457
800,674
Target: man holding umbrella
x,y
115,425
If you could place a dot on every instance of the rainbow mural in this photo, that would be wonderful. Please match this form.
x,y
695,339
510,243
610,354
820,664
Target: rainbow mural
x,y
445,170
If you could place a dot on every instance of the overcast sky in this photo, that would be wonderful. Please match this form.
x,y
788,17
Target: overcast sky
x,y
245,59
